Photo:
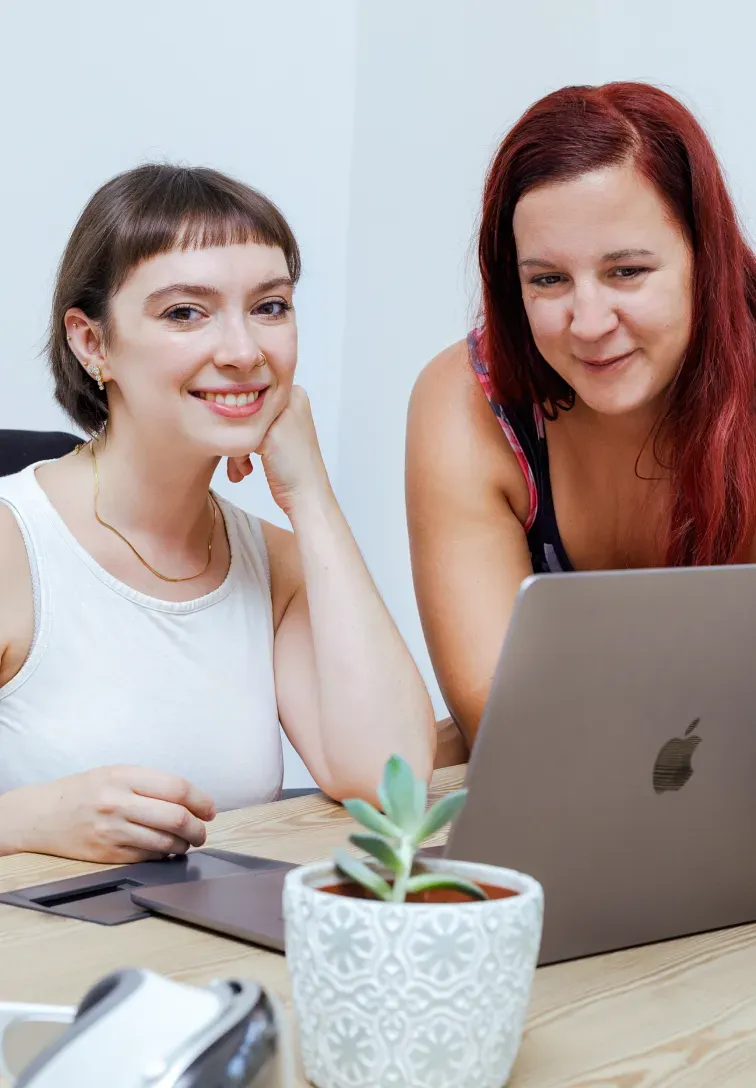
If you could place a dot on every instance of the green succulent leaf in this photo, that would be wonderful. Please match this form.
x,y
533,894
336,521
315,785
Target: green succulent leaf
x,y
399,789
385,800
424,881
362,874
443,812
421,800
365,814
379,848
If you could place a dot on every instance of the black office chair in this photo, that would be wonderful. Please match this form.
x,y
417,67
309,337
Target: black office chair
x,y
21,448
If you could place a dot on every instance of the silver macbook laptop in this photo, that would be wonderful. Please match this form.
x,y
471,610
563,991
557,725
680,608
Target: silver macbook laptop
x,y
616,758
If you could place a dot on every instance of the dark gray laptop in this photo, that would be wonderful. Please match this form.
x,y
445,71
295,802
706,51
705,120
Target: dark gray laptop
x,y
616,763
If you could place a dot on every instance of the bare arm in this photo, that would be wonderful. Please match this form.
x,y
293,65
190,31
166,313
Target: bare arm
x,y
349,693
466,502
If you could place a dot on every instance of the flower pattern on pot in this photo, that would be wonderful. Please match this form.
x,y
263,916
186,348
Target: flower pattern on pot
x,y
438,1050
346,941
351,1047
443,950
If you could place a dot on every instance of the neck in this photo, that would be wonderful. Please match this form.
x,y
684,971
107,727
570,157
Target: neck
x,y
145,486
628,435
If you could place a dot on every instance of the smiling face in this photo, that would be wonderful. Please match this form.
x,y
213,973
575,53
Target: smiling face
x,y
202,347
606,278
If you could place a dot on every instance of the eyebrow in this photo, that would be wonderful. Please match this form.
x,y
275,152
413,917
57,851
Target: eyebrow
x,y
615,255
204,290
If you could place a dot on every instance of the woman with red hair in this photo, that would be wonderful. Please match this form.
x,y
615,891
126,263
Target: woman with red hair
x,y
617,349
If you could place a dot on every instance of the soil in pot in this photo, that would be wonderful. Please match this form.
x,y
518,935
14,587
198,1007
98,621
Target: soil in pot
x,y
352,890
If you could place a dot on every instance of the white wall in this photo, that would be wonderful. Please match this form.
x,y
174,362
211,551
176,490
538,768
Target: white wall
x,y
702,53
371,124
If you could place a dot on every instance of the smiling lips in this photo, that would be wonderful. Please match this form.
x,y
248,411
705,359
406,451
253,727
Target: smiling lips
x,y
607,364
232,405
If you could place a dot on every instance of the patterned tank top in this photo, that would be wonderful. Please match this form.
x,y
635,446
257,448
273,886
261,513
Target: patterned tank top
x,y
525,431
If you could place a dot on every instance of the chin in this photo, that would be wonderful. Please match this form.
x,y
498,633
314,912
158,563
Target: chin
x,y
618,401
235,441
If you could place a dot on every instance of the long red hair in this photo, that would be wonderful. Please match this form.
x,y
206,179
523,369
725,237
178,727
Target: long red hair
x,y
709,425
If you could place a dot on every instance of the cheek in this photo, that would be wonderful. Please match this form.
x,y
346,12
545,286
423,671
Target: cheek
x,y
664,320
284,353
546,319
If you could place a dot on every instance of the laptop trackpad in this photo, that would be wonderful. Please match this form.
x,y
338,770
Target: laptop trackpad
x,y
248,906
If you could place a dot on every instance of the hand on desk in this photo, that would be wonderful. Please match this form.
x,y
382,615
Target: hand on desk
x,y
110,815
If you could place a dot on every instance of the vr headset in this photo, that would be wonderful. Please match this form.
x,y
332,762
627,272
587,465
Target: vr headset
x,y
137,1029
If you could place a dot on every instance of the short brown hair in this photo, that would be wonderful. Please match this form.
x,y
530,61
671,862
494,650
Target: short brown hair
x,y
134,216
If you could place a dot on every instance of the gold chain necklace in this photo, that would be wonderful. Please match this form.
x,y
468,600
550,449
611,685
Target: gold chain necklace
x,y
141,559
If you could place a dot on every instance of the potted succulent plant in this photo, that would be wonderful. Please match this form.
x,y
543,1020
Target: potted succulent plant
x,y
409,972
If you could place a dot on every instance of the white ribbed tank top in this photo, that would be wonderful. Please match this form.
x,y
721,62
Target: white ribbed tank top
x,y
115,676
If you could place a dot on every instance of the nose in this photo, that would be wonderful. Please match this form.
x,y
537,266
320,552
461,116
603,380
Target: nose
x,y
593,316
238,346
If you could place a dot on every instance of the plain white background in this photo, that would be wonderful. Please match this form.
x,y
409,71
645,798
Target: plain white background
x,y
371,125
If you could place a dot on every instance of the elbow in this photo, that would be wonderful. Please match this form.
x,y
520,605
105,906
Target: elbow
x,y
344,779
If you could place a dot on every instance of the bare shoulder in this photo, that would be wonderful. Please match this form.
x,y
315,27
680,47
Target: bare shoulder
x,y
285,567
16,597
451,424
449,373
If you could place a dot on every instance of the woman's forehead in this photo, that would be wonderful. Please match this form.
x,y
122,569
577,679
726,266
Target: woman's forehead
x,y
602,212
228,267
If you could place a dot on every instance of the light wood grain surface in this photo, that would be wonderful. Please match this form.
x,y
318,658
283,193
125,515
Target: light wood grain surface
x,y
680,1014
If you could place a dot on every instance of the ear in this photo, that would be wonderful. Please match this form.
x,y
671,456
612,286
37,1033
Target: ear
x,y
85,341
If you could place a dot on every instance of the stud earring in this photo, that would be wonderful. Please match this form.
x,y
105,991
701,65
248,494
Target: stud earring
x,y
76,325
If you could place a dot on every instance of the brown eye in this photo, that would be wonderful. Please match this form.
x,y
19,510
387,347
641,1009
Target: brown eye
x,y
546,281
274,307
182,314
629,273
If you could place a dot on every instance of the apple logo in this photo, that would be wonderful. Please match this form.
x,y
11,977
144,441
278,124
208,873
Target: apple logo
x,y
672,768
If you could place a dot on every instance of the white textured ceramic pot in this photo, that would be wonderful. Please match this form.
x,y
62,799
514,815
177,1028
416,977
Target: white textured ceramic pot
x,y
411,995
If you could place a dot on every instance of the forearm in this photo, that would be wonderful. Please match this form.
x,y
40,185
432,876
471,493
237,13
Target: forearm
x,y
371,698
19,813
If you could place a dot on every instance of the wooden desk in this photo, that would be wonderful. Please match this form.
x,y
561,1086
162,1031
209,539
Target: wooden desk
x,y
680,1014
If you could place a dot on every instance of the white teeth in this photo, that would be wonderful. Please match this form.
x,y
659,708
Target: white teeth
x,y
234,400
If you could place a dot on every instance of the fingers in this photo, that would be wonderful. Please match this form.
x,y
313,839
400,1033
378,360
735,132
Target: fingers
x,y
168,821
237,468
110,854
148,840
161,786
129,855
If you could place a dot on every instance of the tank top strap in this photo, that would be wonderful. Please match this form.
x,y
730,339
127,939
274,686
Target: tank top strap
x,y
522,426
